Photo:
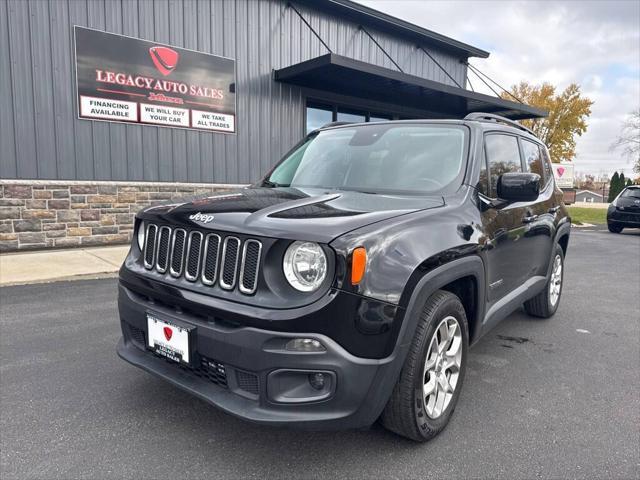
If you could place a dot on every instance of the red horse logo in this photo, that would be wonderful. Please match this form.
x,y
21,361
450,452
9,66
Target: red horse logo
x,y
164,59
167,333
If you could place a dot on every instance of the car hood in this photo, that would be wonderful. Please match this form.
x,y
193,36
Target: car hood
x,y
294,213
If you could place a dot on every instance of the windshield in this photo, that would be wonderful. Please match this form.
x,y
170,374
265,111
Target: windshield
x,y
381,158
631,192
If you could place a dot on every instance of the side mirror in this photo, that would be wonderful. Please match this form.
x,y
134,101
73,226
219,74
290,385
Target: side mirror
x,y
518,187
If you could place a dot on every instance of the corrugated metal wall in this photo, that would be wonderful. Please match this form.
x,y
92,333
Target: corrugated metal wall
x,y
41,137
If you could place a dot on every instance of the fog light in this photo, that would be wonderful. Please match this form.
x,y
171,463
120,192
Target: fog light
x,y
304,345
316,380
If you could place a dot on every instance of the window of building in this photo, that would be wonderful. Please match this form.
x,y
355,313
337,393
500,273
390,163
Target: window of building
x,y
503,156
319,114
378,117
533,159
351,116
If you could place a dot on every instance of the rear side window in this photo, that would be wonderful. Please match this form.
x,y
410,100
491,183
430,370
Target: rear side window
x,y
503,156
533,159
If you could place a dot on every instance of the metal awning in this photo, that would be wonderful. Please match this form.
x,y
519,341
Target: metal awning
x,y
346,76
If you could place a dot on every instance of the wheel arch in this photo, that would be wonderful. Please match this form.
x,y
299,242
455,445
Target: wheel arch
x,y
464,277
562,236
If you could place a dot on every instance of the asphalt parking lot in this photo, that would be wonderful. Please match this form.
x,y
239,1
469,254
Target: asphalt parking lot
x,y
552,398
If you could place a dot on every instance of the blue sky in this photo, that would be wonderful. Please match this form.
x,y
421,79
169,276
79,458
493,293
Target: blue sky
x,y
593,43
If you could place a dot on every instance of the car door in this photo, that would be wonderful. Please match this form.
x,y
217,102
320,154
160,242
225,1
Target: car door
x,y
503,221
540,214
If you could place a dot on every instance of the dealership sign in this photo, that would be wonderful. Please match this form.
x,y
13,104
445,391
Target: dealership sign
x,y
563,173
124,79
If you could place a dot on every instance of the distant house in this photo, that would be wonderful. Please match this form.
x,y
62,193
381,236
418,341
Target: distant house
x,y
589,196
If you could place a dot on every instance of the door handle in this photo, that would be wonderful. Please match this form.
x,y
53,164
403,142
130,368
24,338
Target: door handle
x,y
554,209
529,219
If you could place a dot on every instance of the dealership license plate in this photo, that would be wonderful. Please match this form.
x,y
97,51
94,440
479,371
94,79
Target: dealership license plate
x,y
168,339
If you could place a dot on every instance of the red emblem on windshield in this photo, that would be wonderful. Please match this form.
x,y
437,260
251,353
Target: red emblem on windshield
x,y
560,171
164,59
167,333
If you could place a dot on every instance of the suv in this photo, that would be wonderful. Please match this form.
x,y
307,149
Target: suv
x,y
347,285
624,211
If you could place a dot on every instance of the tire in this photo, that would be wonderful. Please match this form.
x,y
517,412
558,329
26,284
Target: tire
x,y
409,413
614,227
545,304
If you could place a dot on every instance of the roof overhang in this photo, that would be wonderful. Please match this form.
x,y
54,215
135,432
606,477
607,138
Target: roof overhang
x,y
354,78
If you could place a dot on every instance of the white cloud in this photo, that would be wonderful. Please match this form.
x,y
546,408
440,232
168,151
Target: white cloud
x,y
593,43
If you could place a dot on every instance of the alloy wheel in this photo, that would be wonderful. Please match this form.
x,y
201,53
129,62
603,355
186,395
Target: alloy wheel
x,y
555,284
442,367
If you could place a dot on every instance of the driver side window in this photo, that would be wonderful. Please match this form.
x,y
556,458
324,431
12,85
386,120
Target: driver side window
x,y
503,156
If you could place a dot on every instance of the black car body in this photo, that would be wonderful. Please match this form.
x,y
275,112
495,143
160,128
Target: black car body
x,y
624,211
213,268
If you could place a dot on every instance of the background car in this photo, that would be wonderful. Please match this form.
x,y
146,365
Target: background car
x,y
624,211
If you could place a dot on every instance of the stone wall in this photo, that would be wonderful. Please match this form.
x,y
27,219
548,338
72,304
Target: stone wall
x,y
47,214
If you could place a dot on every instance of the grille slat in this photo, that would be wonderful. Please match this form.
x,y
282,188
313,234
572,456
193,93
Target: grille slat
x,y
150,246
211,255
193,256
162,259
249,268
230,255
211,259
177,252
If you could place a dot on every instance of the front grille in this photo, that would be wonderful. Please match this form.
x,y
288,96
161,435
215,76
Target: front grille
x,y
138,336
210,370
212,259
248,382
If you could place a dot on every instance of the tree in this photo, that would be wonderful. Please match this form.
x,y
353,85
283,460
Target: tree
x,y
629,139
588,183
568,113
613,187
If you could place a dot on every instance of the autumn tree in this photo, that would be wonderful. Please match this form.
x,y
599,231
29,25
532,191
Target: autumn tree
x,y
568,113
628,142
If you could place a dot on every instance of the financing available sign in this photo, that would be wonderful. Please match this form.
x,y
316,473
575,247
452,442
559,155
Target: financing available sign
x,y
124,79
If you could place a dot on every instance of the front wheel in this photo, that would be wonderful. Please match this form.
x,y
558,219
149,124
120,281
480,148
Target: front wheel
x,y
545,304
427,391
614,227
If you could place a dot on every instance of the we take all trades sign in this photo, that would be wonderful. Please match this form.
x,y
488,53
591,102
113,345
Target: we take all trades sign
x,y
124,79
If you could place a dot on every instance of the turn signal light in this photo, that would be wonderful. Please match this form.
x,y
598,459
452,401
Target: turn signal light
x,y
358,265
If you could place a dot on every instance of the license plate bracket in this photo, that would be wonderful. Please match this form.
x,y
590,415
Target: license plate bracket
x,y
170,338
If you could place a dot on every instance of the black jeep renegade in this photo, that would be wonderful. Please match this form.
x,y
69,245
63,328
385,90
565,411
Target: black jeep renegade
x,y
347,285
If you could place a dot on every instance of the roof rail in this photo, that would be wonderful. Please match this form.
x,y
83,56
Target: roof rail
x,y
490,117
329,125
335,124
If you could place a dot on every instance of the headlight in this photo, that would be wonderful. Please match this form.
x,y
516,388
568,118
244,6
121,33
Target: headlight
x,y
141,233
305,266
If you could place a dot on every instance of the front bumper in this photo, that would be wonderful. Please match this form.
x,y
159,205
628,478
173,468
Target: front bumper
x,y
234,365
627,218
